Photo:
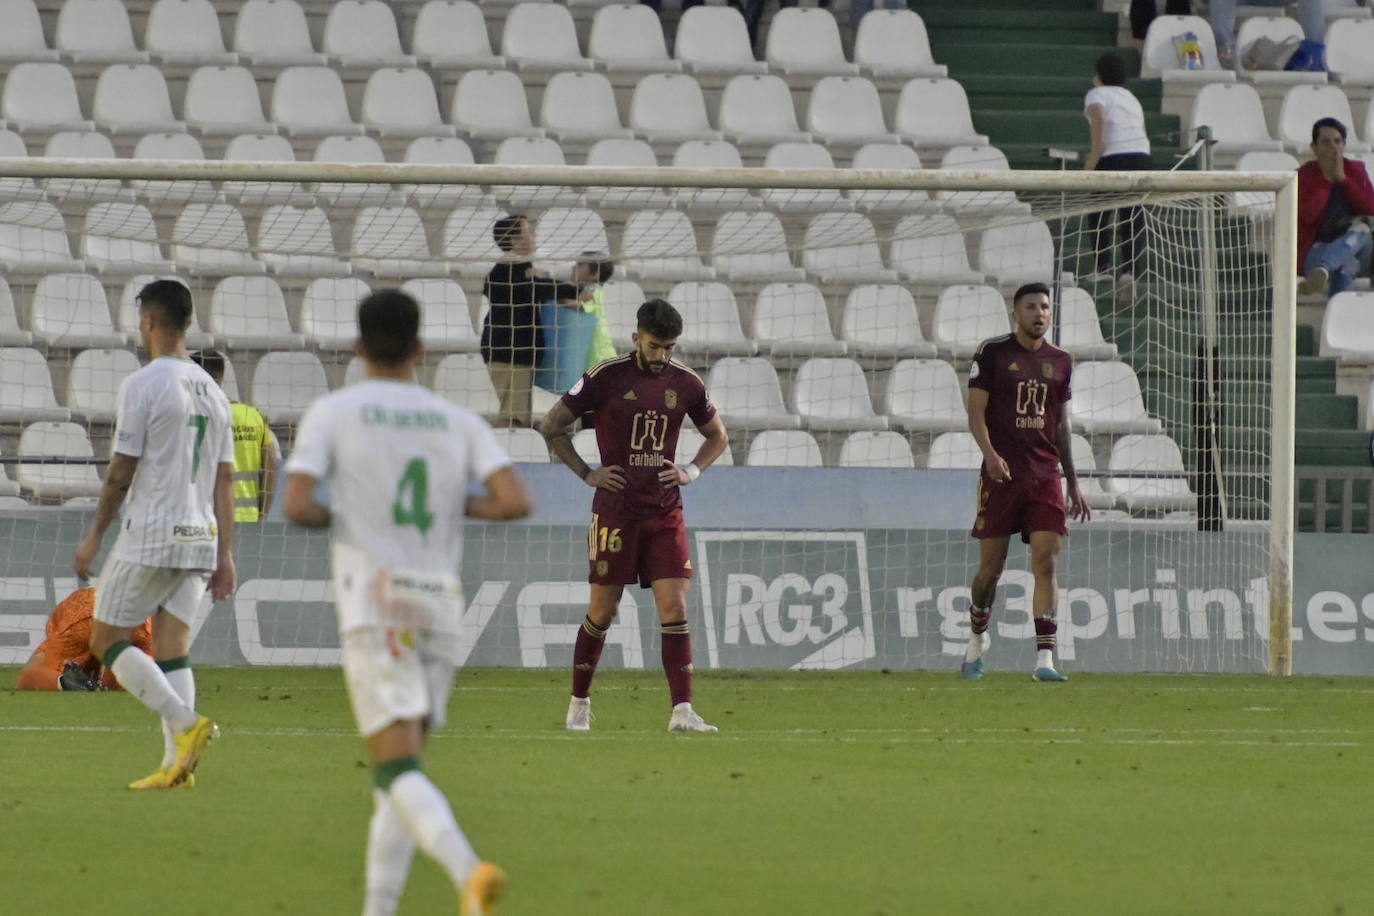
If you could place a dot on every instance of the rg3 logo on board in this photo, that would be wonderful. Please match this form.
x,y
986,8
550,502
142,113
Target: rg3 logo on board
x,y
794,599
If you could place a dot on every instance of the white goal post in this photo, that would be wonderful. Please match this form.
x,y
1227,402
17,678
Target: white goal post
x,y
1061,199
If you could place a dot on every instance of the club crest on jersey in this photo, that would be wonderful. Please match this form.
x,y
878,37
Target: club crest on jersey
x,y
670,398
1047,370
601,567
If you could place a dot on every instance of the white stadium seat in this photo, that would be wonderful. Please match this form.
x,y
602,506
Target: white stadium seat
x,y
12,145
41,98
446,319
362,34
925,395
689,442
585,444
468,240
1304,105
805,41
452,34
965,316
285,384
893,44
122,239
889,156
96,32
1278,29
523,445
542,36
1150,453
792,448
876,449
250,313
1160,57
843,248
22,38
491,105
1236,116
880,321
213,239
310,102
26,393
623,299
954,451
832,394
627,38
580,108
1107,399
70,310
391,242
444,151
1346,332
343,194
1023,253
566,232
57,481
186,32
715,40
712,154
329,312
628,153
1258,204
224,101
262,148
752,246
401,102
933,113
83,145
298,242
662,246
668,108
533,151
746,391
756,108
1348,56
93,382
978,203
1080,332
11,335
801,155
790,320
715,326
1093,490
33,239
929,250
133,99
462,378
844,111
274,33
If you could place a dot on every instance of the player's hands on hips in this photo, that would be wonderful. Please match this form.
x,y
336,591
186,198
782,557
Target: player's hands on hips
x,y
611,477
224,579
84,556
672,475
1078,506
997,468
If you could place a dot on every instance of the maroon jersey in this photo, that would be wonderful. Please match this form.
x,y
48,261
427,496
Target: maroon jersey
x,y
638,417
1026,390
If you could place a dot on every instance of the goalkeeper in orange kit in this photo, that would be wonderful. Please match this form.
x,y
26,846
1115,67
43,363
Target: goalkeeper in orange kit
x,y
63,661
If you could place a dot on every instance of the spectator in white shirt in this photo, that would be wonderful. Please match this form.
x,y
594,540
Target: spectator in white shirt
x,y
1119,143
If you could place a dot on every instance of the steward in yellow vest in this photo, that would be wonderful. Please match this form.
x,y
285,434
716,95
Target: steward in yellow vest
x,y
256,452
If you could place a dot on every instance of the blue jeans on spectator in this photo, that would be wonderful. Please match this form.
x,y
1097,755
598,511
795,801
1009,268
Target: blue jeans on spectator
x,y
1311,13
1347,257
859,8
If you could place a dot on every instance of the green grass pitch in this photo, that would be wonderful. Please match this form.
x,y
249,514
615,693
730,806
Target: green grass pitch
x,y
856,793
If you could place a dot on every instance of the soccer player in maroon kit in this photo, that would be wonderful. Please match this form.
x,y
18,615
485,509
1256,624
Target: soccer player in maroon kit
x,y
1018,389
637,532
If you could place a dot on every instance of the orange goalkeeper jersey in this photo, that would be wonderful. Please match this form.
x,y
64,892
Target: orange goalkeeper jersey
x,y
67,637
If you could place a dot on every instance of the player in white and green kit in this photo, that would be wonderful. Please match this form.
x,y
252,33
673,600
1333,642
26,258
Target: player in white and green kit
x,y
173,458
399,460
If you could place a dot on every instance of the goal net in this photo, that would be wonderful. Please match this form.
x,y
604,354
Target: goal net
x,y
833,315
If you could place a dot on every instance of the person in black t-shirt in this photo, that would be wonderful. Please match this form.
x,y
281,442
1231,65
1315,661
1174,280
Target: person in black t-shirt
x,y
511,337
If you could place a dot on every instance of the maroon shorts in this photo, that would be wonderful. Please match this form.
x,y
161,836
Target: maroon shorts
x,y
1022,506
626,551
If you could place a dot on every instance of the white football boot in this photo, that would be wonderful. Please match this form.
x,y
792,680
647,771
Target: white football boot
x,y
580,714
685,719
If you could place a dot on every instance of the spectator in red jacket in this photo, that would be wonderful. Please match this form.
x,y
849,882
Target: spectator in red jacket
x,y
1334,243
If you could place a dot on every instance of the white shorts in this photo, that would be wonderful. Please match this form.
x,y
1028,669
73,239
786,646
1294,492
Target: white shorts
x,y
397,674
129,593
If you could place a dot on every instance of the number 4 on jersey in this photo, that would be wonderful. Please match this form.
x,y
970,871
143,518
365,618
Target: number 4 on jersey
x,y
412,508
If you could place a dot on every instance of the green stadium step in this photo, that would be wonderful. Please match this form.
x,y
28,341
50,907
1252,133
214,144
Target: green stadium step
x,y
1334,448
930,7
1051,126
988,91
1008,27
1337,411
1013,59
1307,340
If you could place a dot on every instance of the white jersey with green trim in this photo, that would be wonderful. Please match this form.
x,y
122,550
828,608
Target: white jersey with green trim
x,y
175,420
399,461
